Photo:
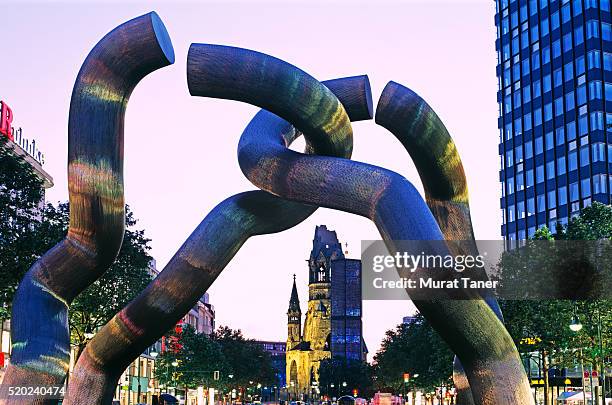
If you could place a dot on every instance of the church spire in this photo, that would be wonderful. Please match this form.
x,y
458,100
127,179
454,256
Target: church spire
x,y
294,302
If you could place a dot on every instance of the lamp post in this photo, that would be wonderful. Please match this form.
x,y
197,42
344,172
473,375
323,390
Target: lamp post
x,y
153,353
576,326
602,358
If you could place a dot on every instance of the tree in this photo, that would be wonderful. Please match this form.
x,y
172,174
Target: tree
x,y
20,196
337,371
191,360
416,349
542,326
241,354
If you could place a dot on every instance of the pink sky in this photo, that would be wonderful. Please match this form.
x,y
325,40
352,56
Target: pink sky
x,y
180,151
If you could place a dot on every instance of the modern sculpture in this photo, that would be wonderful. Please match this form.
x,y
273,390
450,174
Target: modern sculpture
x,y
294,186
40,335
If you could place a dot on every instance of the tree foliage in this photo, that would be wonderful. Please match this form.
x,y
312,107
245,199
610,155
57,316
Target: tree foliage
x,y
241,363
20,196
543,325
337,371
413,348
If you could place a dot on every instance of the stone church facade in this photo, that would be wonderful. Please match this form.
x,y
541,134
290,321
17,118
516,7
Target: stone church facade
x,y
307,347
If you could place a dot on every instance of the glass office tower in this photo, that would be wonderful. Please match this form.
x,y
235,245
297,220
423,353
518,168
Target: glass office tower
x,y
555,110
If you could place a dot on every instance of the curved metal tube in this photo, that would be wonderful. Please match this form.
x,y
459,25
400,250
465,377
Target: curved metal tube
x,y
39,327
414,123
243,75
194,268
469,326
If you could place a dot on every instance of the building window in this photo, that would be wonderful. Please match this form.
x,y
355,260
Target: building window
x,y
571,130
593,59
545,55
580,66
597,120
567,42
536,89
520,210
548,112
585,186
537,117
556,49
511,213
526,93
581,95
569,101
578,35
554,21
525,44
518,127
539,145
573,160
517,99
539,174
599,184
584,155
518,154
592,29
530,206
573,189
595,90
566,14
560,135
606,32
583,125
557,77
550,143
568,70
598,150
608,61
558,106
527,122
541,203
529,177
560,165
552,202
528,150
562,191
577,7
550,170
546,84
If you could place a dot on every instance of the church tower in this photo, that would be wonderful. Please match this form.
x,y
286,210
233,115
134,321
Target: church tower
x,y
294,319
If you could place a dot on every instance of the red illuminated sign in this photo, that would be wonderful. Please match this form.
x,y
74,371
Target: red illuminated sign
x,y
6,120
15,134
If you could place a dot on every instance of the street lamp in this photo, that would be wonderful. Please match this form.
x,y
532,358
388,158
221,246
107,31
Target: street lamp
x,y
575,326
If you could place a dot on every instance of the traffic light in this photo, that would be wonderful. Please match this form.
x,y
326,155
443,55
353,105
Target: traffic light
x,y
406,377
355,392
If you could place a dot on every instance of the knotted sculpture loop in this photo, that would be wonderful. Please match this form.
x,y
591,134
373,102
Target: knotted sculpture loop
x,y
294,185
